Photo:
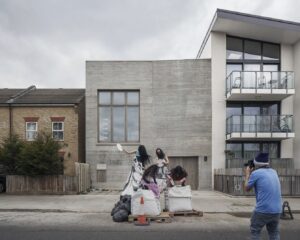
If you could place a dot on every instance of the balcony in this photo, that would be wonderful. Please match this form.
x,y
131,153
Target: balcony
x,y
251,86
260,127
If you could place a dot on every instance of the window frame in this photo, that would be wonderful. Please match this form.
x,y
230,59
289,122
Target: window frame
x,y
26,130
260,104
63,130
260,146
111,106
260,61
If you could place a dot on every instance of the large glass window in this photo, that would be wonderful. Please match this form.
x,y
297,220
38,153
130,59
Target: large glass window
x,y
119,116
252,108
251,116
248,150
240,50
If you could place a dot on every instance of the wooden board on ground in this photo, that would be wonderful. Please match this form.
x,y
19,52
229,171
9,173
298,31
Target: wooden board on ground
x,y
187,213
164,217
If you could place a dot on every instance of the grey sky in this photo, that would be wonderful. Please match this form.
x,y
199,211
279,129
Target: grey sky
x,y
46,42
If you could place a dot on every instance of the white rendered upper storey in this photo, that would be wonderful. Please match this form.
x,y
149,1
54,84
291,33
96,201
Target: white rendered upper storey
x,y
253,59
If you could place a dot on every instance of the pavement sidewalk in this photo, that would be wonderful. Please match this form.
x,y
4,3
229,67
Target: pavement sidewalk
x,y
103,202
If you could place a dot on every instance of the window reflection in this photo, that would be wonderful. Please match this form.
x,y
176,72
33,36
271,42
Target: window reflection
x,y
119,116
234,48
119,124
133,123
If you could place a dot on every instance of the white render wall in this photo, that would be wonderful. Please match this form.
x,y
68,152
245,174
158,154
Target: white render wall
x,y
297,105
287,105
218,66
206,52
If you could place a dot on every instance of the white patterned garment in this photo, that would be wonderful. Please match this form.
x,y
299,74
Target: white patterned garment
x,y
134,178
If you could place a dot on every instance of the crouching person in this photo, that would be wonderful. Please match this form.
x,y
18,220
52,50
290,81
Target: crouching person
x,y
266,184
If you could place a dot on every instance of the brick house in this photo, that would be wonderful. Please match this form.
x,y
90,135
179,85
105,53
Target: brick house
x,y
26,112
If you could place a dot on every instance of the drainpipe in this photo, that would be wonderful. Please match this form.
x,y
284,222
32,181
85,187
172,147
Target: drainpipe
x,y
11,101
10,120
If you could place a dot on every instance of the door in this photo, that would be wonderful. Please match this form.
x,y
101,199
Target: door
x,y
190,164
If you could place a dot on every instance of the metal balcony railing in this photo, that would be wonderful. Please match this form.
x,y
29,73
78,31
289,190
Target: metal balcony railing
x,y
260,124
259,80
282,163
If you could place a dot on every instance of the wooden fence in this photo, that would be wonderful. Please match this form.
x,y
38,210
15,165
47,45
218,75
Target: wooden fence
x,y
231,181
50,184
83,174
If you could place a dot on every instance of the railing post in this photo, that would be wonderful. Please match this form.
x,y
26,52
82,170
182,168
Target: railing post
x,y
271,84
271,129
255,82
256,123
241,124
242,81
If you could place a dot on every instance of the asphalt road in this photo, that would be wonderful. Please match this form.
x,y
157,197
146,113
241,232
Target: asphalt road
x,y
90,226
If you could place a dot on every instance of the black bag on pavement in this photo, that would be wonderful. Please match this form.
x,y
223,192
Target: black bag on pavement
x,y
122,209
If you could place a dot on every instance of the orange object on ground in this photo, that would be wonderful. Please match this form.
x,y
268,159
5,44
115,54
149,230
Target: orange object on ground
x,y
141,219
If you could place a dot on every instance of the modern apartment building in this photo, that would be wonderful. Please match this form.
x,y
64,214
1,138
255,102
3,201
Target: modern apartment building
x,y
255,88
237,98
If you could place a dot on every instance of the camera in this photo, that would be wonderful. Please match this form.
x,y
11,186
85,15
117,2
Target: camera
x,y
249,164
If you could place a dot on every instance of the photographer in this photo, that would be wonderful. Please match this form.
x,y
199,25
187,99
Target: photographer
x,y
266,184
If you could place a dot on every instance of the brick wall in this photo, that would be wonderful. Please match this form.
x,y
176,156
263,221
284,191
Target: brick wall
x,y
4,123
44,115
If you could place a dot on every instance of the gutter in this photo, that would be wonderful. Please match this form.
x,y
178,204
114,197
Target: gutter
x,y
10,120
38,104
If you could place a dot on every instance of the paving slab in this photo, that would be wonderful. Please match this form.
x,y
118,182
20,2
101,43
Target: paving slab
x,y
103,202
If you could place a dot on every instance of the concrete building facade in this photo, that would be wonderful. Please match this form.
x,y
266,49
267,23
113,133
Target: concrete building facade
x,y
174,114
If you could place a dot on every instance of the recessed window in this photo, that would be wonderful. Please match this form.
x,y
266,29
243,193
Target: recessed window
x,y
239,50
58,131
252,50
31,130
271,51
119,116
234,48
249,150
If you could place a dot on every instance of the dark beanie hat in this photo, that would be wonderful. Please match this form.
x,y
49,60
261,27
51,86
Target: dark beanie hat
x,y
261,159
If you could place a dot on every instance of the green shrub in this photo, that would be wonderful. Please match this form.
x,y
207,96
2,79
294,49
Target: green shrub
x,y
39,157
10,154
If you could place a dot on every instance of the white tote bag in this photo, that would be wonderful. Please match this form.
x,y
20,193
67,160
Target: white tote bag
x,y
151,205
180,198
